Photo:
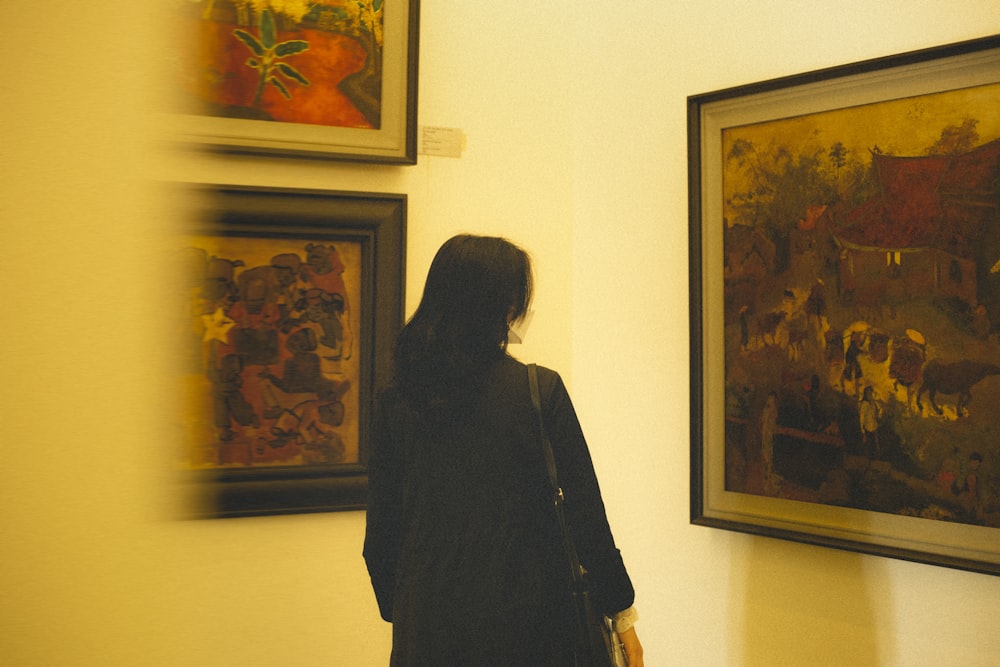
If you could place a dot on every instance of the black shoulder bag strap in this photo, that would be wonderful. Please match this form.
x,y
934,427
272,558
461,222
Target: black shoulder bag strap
x,y
557,493
595,643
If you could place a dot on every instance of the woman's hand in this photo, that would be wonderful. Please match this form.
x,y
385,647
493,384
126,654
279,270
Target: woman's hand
x,y
633,649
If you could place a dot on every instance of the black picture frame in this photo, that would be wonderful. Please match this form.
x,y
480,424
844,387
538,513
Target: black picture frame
x,y
728,447
374,224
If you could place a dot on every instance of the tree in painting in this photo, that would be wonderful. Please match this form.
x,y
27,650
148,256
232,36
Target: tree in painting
x,y
267,55
310,62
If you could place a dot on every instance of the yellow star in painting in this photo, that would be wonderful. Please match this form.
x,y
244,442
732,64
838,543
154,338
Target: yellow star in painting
x,y
217,326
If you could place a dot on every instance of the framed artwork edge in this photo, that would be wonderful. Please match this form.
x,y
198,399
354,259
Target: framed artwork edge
x,y
395,143
378,221
955,545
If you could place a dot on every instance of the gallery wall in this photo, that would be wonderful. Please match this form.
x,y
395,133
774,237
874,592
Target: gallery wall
x,y
574,114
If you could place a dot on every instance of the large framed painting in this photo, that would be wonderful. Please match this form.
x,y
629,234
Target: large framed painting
x,y
330,79
845,307
291,302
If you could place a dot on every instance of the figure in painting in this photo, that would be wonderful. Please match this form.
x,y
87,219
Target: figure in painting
x,y
303,373
869,413
230,405
852,366
970,494
768,431
328,304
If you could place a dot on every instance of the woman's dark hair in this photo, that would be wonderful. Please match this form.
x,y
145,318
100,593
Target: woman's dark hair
x,y
476,286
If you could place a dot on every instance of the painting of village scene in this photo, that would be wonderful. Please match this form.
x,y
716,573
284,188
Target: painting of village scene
x,y
270,367
290,61
862,307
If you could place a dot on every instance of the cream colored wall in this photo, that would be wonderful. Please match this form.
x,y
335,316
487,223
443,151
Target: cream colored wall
x,y
574,113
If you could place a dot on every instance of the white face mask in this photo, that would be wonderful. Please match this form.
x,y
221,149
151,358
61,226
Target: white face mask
x,y
519,329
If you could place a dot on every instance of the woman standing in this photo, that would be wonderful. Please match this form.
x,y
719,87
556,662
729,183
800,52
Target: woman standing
x,y
462,542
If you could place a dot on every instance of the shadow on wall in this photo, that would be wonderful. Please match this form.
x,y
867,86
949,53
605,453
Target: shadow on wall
x,y
807,605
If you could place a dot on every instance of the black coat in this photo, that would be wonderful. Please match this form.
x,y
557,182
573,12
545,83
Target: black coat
x,y
462,543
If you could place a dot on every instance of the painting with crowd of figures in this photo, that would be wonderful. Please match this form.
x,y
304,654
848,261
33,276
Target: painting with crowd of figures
x,y
270,351
290,304
859,253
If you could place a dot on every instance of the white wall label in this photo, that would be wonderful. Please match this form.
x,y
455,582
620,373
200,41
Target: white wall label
x,y
443,141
